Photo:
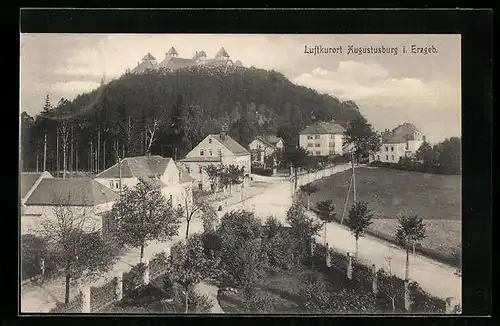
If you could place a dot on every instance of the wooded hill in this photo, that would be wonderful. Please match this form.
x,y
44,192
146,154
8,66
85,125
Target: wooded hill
x,y
168,113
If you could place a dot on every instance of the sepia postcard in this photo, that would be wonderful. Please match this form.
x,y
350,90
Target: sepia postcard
x,y
240,174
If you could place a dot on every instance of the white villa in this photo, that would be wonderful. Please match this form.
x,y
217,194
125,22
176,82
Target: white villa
x,y
322,138
402,141
264,146
175,183
216,149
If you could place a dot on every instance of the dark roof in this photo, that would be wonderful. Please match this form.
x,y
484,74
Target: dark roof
x,y
323,127
217,62
71,192
184,175
400,134
143,66
172,51
200,159
269,138
148,57
28,181
174,63
232,145
147,168
222,53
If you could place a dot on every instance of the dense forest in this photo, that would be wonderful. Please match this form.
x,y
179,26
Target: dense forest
x,y
168,113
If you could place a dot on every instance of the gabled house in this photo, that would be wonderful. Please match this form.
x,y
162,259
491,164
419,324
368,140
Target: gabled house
x,y
29,182
53,197
322,138
263,146
402,141
216,149
175,183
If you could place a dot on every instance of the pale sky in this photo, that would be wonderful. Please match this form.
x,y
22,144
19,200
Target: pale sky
x,y
389,89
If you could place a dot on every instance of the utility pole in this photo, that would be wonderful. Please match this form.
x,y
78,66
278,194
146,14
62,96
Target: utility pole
x,y
353,178
44,153
120,175
57,151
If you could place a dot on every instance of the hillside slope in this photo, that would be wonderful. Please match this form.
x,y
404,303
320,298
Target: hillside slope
x,y
189,103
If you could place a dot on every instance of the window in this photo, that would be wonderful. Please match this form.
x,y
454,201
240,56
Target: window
x,y
200,169
200,186
309,145
309,137
210,152
111,183
332,136
332,151
407,145
209,140
317,145
392,157
386,148
219,152
318,153
117,185
392,148
387,157
188,169
316,136
331,144
378,157
201,152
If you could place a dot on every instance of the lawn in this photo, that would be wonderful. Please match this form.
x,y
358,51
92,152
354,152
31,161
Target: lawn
x,y
392,193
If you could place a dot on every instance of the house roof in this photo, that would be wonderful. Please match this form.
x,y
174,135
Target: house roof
x,y
400,134
200,159
143,66
232,145
148,57
28,181
71,192
323,127
184,175
174,63
148,168
172,51
222,53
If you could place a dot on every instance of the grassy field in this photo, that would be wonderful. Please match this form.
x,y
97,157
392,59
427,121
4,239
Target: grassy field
x,y
392,193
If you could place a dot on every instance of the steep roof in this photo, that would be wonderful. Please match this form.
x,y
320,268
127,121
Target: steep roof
x,y
148,56
183,174
323,127
174,63
222,53
137,167
172,51
400,134
143,66
71,192
28,181
232,145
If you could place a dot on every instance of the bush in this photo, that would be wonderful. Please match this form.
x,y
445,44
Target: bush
x,y
33,249
262,171
133,278
158,263
73,306
102,295
422,302
415,166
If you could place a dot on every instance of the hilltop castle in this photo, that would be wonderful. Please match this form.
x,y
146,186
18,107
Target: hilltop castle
x,y
173,62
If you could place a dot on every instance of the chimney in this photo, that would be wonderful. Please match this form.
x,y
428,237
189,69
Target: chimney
x,y
223,131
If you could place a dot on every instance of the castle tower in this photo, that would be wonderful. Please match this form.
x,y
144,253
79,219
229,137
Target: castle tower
x,y
200,56
222,54
172,52
148,58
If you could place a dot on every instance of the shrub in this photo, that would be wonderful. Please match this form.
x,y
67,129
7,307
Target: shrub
x,y
262,171
133,278
158,263
102,295
422,302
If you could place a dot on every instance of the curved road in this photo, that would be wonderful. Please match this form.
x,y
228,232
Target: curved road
x,y
436,278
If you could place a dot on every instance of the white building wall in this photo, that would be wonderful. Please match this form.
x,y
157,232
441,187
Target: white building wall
x,y
319,145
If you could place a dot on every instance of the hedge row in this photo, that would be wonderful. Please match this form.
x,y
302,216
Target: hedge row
x,y
262,171
418,167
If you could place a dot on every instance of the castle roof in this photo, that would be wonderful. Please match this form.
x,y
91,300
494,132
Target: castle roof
x,y
143,66
222,53
172,51
174,63
148,57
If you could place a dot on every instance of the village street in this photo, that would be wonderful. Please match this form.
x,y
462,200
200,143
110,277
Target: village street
x,y
272,196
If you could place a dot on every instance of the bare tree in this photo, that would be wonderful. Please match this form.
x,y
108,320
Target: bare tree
x,y
391,286
152,132
190,208
74,233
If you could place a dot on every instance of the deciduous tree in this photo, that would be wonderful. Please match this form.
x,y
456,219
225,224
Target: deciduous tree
x,y
411,230
308,190
197,206
361,137
296,157
360,217
143,215
325,210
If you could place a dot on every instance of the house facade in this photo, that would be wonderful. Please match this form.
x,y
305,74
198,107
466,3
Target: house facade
x,y
322,139
175,183
402,141
216,149
263,146
54,198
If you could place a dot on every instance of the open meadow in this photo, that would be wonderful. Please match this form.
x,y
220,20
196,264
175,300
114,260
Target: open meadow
x,y
392,193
